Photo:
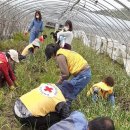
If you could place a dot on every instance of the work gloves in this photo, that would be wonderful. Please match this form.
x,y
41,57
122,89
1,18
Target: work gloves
x,y
16,83
13,87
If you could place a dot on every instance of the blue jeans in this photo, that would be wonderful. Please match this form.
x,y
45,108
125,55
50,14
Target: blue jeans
x,y
33,36
80,81
111,98
71,88
77,84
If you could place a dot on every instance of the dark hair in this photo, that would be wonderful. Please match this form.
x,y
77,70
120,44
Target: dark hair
x,y
69,23
101,123
50,50
109,81
7,55
44,36
54,34
35,46
39,13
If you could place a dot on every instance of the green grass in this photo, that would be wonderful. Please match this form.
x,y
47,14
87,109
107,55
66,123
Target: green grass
x,y
35,70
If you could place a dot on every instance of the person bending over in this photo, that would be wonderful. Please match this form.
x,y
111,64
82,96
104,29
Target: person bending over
x,y
31,48
103,89
6,72
71,64
42,107
77,121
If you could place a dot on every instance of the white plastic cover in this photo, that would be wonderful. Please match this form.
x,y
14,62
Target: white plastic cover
x,y
115,50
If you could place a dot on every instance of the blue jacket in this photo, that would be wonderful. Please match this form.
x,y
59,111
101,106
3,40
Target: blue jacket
x,y
76,121
36,26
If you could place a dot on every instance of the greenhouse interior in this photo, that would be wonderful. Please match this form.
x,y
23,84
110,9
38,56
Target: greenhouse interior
x,y
100,33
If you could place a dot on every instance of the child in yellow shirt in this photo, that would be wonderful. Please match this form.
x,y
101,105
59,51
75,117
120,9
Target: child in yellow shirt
x,y
103,89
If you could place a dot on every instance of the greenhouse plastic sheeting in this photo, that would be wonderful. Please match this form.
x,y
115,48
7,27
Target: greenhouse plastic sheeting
x,y
116,51
106,18
104,24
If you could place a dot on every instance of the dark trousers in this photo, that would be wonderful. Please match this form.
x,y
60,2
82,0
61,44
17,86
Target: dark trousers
x,y
2,80
21,57
67,46
40,123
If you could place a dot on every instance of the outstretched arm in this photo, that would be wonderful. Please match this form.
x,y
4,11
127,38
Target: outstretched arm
x,y
61,60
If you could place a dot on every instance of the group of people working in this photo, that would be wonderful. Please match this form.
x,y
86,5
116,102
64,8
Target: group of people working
x,y
49,104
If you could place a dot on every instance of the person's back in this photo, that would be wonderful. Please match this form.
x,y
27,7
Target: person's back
x,y
26,50
5,69
41,107
47,96
103,89
74,60
3,66
70,63
3,58
76,121
31,48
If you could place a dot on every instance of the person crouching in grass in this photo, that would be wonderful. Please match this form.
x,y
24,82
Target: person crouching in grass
x,y
103,89
71,64
6,72
32,48
42,106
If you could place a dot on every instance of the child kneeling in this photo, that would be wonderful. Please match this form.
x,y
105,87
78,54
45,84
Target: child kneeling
x,y
103,89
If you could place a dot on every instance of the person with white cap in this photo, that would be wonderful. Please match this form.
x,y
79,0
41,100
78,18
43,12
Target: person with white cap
x,y
6,73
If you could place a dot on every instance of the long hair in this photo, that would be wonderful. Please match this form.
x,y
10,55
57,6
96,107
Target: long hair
x,y
39,13
7,55
51,50
69,23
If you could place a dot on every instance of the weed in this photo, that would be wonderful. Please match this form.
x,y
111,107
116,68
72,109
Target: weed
x,y
35,70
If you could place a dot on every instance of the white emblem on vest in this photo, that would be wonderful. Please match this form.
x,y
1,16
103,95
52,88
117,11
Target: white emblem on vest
x,y
48,90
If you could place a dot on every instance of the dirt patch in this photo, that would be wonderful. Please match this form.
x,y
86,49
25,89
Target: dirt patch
x,y
125,103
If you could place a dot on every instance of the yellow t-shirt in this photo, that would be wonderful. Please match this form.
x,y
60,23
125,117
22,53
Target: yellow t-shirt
x,y
103,89
25,51
42,100
74,60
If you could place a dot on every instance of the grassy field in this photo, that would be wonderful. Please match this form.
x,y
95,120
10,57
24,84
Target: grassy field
x,y
35,70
